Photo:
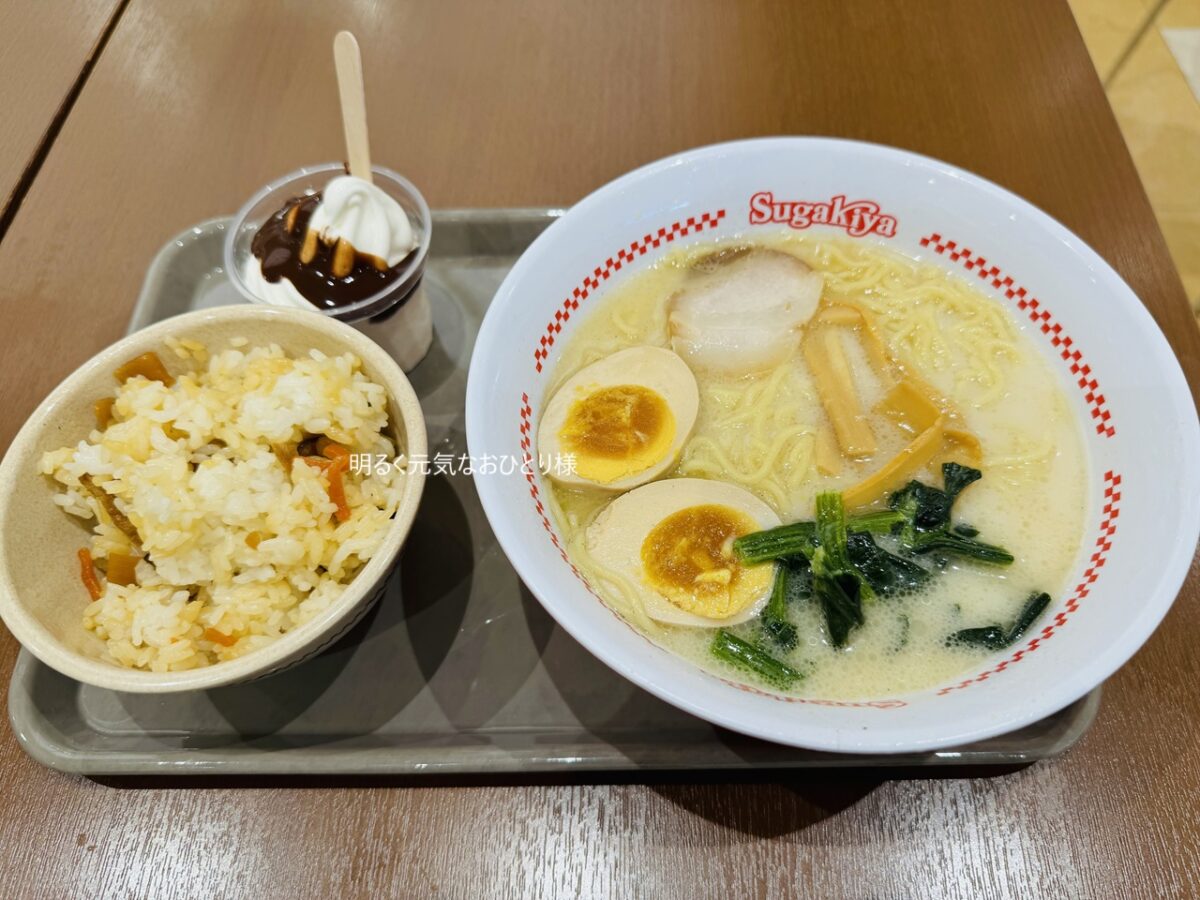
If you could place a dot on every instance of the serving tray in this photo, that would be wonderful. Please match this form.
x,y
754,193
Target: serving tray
x,y
458,670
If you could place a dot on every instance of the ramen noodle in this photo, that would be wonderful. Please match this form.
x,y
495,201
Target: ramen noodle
x,y
723,392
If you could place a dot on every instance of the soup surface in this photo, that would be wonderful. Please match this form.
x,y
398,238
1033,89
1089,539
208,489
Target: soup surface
x,y
768,421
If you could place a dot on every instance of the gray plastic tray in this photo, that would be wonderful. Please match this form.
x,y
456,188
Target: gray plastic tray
x,y
458,670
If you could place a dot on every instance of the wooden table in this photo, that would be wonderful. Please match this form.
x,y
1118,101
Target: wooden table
x,y
46,51
189,108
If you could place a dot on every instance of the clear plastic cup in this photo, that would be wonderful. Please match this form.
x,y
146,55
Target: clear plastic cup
x,y
397,317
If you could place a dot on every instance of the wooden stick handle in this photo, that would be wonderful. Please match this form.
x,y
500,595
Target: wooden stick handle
x,y
348,61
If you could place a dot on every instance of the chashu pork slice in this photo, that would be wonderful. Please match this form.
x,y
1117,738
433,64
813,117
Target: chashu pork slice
x,y
741,310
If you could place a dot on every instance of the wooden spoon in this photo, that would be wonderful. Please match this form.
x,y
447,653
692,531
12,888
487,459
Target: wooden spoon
x,y
348,61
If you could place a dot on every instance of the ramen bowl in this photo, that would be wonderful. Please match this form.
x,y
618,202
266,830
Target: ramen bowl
x,y
1117,373
41,598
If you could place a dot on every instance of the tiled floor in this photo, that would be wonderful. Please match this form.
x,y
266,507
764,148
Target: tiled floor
x,y
1148,55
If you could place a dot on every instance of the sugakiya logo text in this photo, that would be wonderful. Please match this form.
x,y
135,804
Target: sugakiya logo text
x,y
858,217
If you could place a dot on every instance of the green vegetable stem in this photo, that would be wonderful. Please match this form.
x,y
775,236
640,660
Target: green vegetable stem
x,y
774,619
749,657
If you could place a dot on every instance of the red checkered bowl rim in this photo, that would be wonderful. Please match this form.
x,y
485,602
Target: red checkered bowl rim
x,y
1038,311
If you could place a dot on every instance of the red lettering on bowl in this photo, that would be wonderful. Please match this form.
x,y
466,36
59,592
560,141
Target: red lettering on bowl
x,y
858,217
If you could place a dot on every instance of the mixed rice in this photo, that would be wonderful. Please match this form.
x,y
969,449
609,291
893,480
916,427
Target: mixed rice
x,y
225,497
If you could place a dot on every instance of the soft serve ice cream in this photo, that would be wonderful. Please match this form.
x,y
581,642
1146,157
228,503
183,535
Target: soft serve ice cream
x,y
373,223
331,249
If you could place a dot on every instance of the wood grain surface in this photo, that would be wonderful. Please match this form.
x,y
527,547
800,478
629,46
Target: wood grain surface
x,y
43,49
193,105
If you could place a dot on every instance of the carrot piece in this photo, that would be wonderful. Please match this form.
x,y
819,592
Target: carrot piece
x,y
87,572
148,365
103,411
219,637
333,450
337,488
333,469
122,569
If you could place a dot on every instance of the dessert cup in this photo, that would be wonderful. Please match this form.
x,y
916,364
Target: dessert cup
x,y
397,317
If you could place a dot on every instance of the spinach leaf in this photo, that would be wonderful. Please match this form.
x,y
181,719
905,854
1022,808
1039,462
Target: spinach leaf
x,y
840,595
996,637
837,585
993,637
956,478
927,528
965,547
886,573
1033,608
799,578
930,507
926,507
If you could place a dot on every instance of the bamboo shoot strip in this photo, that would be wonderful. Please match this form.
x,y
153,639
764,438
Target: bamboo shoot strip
x,y
899,468
831,372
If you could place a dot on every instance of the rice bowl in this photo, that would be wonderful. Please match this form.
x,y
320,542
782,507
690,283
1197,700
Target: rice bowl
x,y
233,542
208,608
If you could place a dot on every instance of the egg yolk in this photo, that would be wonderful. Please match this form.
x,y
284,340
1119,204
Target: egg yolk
x,y
688,558
617,431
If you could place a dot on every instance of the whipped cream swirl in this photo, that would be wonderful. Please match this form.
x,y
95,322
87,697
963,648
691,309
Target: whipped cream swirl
x,y
357,211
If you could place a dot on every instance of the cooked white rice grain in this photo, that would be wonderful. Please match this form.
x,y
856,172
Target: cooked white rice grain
x,y
193,469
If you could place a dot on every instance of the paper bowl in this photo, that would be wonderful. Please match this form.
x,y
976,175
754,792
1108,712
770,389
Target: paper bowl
x,y
41,598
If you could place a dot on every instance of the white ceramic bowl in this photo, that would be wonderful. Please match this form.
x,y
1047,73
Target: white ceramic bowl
x,y
41,599
1127,389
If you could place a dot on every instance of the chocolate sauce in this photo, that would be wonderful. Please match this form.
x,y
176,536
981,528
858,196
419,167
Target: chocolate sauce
x,y
278,253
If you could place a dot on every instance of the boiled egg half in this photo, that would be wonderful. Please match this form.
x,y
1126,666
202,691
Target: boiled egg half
x,y
621,421
673,540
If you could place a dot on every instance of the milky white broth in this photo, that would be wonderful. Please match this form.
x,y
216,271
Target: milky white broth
x,y
1031,499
